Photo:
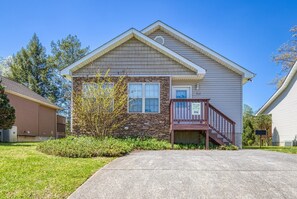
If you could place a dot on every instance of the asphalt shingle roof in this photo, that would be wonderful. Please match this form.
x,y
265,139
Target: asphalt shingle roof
x,y
24,91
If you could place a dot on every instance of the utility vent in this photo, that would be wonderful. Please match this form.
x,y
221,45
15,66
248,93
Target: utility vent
x,y
159,39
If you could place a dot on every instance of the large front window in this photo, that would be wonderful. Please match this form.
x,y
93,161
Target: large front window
x,y
144,97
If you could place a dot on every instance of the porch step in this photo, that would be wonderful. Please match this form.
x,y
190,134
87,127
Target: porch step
x,y
218,138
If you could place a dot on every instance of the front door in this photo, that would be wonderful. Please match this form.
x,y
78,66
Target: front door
x,y
181,92
182,109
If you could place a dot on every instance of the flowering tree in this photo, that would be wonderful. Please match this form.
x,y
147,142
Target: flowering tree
x,y
99,106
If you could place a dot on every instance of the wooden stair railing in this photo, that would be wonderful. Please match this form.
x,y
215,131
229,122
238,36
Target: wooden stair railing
x,y
221,124
209,118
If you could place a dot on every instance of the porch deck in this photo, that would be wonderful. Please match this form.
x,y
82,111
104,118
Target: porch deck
x,y
199,114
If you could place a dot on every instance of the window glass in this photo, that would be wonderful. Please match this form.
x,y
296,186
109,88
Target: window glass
x,y
144,97
135,97
88,88
135,105
135,90
181,94
151,105
152,92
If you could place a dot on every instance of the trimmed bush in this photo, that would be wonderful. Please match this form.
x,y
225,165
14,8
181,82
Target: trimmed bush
x,y
147,143
85,147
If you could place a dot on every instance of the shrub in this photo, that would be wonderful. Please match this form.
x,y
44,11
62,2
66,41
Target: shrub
x,y
188,146
147,143
250,142
228,147
84,147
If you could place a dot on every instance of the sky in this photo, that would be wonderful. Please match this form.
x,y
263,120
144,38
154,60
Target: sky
x,y
248,32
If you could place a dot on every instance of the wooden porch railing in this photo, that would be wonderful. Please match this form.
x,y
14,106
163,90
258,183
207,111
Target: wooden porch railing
x,y
199,114
221,124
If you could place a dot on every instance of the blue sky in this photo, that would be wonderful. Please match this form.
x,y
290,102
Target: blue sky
x,y
247,32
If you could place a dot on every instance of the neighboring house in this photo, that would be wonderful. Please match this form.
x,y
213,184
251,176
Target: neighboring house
x,y
36,117
283,108
179,89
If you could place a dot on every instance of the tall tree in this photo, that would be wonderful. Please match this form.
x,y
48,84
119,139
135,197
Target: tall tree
x,y
67,51
287,56
29,67
63,53
248,136
7,112
247,110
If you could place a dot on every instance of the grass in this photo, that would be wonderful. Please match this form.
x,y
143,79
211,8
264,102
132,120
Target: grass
x,y
283,149
27,173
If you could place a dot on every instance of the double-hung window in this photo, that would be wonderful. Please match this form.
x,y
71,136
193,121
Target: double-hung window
x,y
90,90
144,97
103,96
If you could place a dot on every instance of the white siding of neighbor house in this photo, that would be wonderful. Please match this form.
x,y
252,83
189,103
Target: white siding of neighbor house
x,y
284,115
134,58
221,85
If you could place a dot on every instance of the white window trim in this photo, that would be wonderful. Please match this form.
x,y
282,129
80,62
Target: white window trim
x,y
143,97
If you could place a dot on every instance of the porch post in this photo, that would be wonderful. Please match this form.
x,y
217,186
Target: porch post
x,y
207,140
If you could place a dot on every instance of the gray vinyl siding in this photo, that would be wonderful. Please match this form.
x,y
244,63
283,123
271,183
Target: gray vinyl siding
x,y
221,85
134,58
284,115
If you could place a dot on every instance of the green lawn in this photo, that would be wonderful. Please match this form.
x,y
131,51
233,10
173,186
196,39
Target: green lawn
x,y
27,173
284,149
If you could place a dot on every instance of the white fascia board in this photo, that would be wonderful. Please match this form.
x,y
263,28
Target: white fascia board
x,y
187,77
239,69
121,39
287,81
175,77
96,53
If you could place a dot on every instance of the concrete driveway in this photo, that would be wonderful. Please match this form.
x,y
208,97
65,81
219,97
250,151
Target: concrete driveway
x,y
195,174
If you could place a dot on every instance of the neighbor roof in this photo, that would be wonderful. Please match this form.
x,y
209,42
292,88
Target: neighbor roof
x,y
125,37
20,90
248,75
281,89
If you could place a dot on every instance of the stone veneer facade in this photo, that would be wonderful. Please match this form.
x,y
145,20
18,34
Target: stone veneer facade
x,y
140,124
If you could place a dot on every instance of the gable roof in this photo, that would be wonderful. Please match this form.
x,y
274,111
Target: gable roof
x,y
123,38
247,75
22,91
279,91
